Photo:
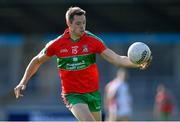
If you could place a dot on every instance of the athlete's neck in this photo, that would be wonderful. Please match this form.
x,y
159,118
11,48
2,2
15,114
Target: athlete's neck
x,y
74,36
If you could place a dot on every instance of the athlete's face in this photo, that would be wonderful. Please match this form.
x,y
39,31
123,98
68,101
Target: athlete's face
x,y
78,25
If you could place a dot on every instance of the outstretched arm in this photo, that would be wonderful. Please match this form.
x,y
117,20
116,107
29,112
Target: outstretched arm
x,y
30,71
122,61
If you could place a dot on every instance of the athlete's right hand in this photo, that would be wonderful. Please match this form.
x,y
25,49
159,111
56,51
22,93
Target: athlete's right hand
x,y
18,90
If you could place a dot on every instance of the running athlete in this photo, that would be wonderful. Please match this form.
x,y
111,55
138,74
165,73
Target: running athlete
x,y
75,50
164,104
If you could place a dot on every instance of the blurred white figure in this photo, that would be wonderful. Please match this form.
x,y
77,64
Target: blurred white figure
x,y
118,101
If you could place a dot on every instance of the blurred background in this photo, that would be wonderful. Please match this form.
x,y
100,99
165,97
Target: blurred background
x,y
27,25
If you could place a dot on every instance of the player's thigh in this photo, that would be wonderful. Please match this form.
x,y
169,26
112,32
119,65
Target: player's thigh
x,y
97,115
82,112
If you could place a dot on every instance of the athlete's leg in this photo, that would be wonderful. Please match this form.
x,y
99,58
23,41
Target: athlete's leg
x,y
97,115
82,112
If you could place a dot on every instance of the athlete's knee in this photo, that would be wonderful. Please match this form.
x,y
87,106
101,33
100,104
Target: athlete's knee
x,y
97,116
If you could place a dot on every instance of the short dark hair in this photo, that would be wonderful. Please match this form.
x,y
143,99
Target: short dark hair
x,y
72,11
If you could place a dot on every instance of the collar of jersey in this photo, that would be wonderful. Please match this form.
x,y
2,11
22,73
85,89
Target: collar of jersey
x,y
67,35
75,40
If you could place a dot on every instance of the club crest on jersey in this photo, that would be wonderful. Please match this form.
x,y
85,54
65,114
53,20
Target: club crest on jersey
x,y
74,49
85,48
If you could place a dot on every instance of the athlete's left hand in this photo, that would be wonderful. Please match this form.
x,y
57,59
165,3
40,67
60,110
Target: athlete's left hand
x,y
146,64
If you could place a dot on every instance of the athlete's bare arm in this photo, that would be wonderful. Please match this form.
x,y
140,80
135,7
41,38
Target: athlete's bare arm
x,y
121,61
30,71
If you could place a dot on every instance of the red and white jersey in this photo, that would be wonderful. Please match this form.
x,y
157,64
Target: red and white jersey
x,y
118,98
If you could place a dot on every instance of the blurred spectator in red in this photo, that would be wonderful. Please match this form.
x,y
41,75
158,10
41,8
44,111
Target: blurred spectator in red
x,y
163,104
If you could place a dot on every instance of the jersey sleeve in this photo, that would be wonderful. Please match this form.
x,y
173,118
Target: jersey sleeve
x,y
49,49
100,46
99,43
